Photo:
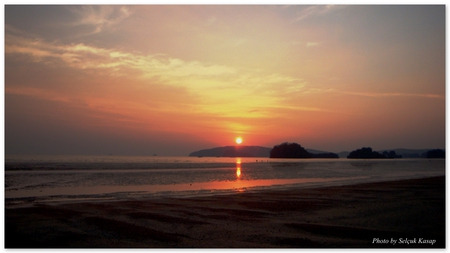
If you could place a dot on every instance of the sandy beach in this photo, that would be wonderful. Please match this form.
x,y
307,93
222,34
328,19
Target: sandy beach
x,y
397,214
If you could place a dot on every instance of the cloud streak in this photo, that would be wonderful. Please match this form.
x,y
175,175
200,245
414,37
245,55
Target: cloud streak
x,y
247,87
395,94
99,17
372,94
316,10
82,56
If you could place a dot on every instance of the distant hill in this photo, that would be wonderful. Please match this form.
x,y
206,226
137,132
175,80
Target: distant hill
x,y
343,154
234,151
257,151
404,152
315,151
241,151
408,153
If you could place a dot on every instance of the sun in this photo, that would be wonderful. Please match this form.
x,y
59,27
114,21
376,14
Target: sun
x,y
238,140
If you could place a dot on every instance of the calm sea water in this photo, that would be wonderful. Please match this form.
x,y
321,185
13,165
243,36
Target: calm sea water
x,y
31,179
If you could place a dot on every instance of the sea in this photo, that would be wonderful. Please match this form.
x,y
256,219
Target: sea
x,y
46,179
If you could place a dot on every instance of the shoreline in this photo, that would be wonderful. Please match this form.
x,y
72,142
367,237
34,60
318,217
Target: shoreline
x,y
24,188
367,215
190,191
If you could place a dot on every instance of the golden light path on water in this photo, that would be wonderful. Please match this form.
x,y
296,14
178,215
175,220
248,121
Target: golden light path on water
x,y
182,179
238,168
240,184
236,186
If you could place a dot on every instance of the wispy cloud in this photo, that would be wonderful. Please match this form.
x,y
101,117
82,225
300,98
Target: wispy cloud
x,y
370,94
117,62
312,44
99,17
223,90
38,93
218,85
83,56
304,108
316,10
393,94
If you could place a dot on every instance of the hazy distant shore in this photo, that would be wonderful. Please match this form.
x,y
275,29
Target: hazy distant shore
x,y
372,215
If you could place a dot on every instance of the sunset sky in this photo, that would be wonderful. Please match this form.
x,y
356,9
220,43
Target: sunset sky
x,y
169,80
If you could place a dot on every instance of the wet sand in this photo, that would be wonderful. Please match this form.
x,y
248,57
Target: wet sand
x,y
410,213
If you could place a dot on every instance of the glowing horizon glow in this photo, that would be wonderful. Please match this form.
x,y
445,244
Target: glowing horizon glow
x,y
169,79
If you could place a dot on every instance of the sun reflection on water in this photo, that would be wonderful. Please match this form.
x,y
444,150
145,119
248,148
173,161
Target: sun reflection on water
x,y
238,168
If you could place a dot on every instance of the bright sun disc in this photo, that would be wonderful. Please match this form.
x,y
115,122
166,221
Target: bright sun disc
x,y
238,140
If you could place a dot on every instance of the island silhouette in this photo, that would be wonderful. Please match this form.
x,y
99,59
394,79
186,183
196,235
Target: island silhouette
x,y
294,150
367,153
258,151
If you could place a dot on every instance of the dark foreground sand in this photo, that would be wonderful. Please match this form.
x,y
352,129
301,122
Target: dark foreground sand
x,y
359,216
